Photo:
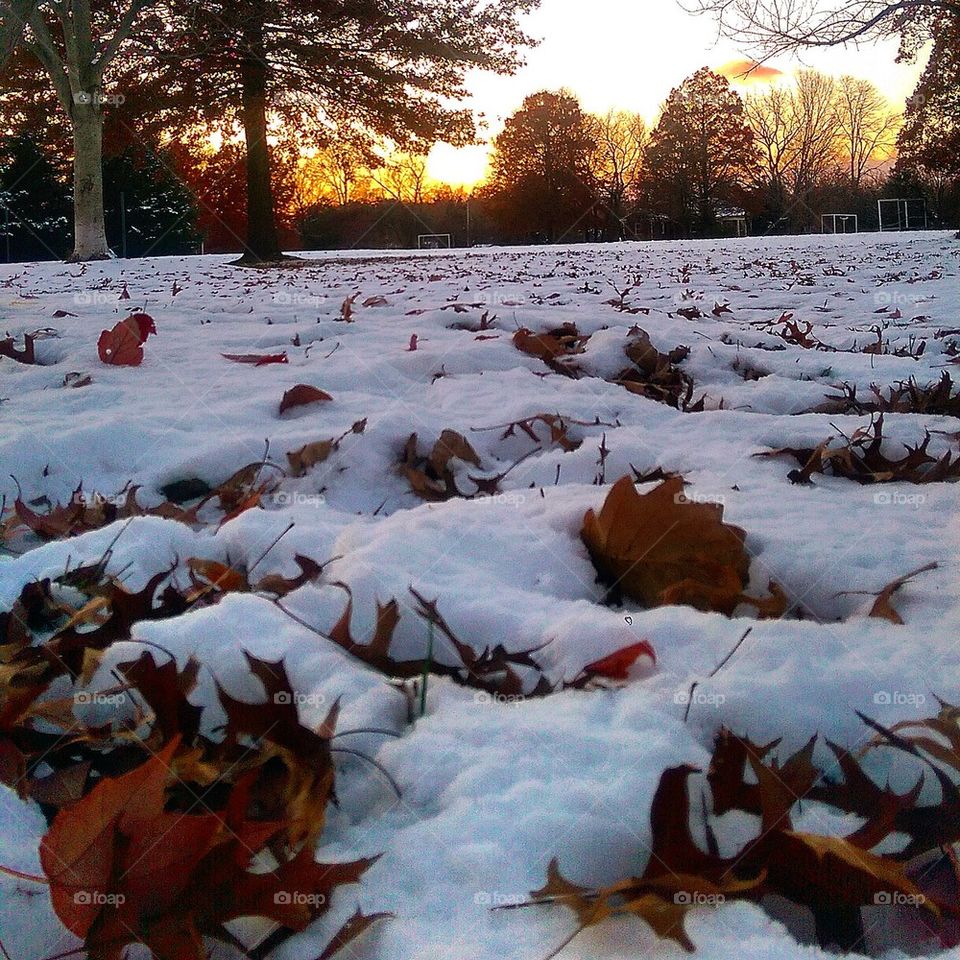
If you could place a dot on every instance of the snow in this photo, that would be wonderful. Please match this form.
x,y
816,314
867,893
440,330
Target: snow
x,y
491,791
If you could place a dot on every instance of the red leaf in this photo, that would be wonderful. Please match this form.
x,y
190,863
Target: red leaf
x,y
123,345
256,359
302,394
145,325
616,666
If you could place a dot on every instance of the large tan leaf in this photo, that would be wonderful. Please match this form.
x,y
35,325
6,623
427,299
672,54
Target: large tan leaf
x,y
661,548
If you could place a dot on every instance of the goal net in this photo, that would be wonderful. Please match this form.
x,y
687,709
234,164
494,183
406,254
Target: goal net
x,y
433,241
902,213
839,223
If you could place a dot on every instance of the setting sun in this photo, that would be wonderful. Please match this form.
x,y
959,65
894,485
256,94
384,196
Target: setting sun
x,y
457,166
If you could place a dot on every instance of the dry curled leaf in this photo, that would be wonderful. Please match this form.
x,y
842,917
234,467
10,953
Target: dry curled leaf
x,y
123,345
256,359
860,457
660,548
301,395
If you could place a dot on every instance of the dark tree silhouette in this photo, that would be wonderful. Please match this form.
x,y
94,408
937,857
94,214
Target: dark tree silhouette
x,y
701,154
376,68
540,182
929,141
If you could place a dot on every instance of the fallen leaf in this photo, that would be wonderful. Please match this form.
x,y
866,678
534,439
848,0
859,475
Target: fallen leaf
x,y
300,395
122,346
660,548
616,665
256,359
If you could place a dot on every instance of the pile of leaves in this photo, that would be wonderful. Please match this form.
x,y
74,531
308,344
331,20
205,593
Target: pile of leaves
x,y
662,548
243,490
84,512
831,877
860,457
656,375
431,476
223,800
124,867
906,396
797,333
556,347
502,673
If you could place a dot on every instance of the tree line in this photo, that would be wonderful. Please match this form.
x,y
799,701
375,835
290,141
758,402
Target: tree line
x,y
262,125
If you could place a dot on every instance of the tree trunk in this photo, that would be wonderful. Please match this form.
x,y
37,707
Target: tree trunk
x,y
90,238
262,241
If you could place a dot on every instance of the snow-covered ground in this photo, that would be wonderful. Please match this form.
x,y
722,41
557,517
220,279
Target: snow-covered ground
x,y
492,791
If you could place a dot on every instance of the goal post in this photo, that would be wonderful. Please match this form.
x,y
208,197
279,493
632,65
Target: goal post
x,y
434,241
902,213
839,223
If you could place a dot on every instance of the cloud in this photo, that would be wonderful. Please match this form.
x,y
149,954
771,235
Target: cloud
x,y
749,71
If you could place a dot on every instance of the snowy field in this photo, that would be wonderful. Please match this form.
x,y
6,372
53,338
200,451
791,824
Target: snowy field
x,y
492,789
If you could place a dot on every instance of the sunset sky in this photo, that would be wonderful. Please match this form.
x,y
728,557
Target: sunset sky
x,y
629,55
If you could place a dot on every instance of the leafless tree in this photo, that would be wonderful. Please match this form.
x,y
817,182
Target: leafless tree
x,y
333,173
868,127
798,131
403,177
619,139
778,26
773,117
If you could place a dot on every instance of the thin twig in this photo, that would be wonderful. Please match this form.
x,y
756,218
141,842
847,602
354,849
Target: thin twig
x,y
714,672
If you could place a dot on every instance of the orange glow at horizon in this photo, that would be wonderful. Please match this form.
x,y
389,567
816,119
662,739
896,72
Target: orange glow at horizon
x,y
458,166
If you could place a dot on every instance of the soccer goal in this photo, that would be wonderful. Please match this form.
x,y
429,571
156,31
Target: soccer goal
x,y
902,213
839,223
433,241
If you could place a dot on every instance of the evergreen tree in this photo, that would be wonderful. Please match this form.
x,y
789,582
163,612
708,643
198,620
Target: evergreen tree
x,y
144,195
35,213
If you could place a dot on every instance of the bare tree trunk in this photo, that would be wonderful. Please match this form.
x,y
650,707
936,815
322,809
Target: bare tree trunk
x,y
262,243
90,239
